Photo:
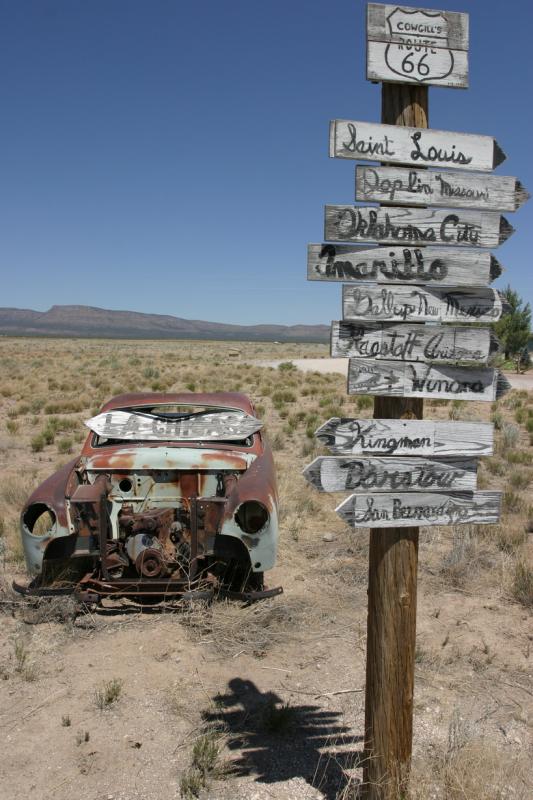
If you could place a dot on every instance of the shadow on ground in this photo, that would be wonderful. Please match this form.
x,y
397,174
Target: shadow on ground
x,y
278,742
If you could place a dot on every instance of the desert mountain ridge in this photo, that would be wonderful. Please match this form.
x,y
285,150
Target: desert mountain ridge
x,y
93,322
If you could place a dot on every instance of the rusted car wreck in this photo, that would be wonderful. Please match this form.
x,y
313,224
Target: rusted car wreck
x,y
171,494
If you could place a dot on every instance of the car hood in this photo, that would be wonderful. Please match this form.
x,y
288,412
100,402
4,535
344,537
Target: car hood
x,y
168,458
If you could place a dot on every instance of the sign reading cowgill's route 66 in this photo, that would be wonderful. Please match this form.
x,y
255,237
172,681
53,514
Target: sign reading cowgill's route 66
x,y
417,45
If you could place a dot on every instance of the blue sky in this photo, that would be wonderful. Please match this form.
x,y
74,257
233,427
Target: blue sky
x,y
172,157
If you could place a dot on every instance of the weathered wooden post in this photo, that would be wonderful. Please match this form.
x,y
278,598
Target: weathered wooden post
x,y
392,291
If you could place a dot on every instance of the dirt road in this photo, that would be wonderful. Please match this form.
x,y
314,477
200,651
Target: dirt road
x,y
341,365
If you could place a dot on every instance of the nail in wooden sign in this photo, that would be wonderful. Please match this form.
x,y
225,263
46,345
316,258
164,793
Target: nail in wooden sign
x,y
443,266
420,304
417,45
397,379
411,474
418,187
420,147
213,426
465,228
412,342
400,509
406,437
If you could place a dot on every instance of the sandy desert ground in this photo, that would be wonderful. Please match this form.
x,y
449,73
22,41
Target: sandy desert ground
x,y
262,702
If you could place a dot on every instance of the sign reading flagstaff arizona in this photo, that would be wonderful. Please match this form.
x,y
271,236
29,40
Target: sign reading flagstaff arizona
x,y
414,187
415,265
410,379
340,474
417,45
406,509
420,304
406,437
466,228
420,147
412,342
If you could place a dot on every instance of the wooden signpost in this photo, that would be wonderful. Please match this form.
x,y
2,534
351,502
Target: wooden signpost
x,y
412,342
429,267
414,265
465,228
419,187
367,141
213,426
418,304
406,437
424,46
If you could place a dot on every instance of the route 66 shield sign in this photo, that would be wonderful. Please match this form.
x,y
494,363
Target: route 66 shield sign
x,y
420,49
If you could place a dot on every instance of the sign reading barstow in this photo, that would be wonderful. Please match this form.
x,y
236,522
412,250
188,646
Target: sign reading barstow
x,y
416,265
410,379
406,437
417,45
412,342
340,474
420,147
418,187
465,228
407,509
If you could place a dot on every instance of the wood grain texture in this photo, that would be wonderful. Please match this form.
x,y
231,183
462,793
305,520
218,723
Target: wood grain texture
x,y
406,437
412,342
448,29
439,266
402,303
392,474
407,508
216,426
398,379
412,226
393,558
447,189
417,146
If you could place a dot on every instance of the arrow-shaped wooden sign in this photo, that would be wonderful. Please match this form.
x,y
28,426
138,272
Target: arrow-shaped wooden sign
x,y
406,437
211,426
410,474
445,266
419,304
420,147
400,509
395,379
412,226
412,342
420,187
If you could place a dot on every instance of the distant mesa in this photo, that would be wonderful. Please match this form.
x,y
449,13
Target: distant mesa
x,y
101,323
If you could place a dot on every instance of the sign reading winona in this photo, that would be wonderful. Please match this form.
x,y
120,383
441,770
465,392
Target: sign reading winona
x,y
417,45
421,147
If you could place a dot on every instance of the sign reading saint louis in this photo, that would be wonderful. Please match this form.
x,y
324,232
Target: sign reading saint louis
x,y
417,45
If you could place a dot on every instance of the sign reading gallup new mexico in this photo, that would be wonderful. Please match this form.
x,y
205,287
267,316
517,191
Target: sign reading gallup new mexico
x,y
417,45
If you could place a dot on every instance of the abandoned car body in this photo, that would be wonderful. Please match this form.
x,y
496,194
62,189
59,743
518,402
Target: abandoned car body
x,y
171,493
